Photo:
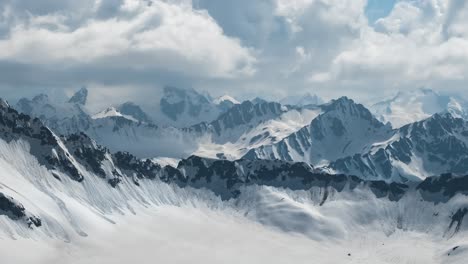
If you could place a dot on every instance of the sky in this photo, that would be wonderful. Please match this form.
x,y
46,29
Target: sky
x,y
269,48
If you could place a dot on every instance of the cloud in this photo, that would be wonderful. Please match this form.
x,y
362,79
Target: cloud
x,y
410,45
267,48
163,35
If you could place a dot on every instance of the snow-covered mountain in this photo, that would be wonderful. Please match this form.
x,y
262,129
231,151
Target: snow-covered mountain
x,y
339,137
226,98
128,110
347,139
302,100
225,102
415,105
63,117
59,215
343,128
231,135
112,112
433,146
250,125
126,127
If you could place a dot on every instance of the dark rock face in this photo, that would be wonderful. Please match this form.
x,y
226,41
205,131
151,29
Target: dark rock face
x,y
457,219
87,152
114,182
226,177
44,144
133,166
447,184
16,211
394,191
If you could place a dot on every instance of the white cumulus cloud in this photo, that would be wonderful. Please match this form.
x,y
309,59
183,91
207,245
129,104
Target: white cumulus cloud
x,y
160,35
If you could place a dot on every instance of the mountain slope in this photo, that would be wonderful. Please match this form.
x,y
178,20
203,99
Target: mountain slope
x,y
433,146
250,125
342,129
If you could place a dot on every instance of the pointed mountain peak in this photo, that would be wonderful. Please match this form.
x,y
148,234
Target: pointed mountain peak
x,y
443,116
344,108
342,102
344,99
114,112
80,97
110,111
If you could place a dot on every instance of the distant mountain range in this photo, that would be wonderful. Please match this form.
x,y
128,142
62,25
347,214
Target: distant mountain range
x,y
340,136
75,168
328,171
415,105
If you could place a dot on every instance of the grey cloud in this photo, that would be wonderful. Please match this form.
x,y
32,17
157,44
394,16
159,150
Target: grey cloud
x,y
332,42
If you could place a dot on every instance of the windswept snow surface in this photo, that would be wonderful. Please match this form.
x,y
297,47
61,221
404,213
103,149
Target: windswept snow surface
x,y
91,222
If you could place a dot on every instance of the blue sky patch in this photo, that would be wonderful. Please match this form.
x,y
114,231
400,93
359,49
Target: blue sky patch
x,y
376,9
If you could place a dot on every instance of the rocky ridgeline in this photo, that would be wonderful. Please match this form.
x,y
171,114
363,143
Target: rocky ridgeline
x,y
72,155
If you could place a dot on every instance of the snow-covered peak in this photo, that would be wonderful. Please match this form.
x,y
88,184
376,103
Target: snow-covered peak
x,y
343,128
112,112
302,100
345,109
225,98
415,105
80,97
64,117
418,150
